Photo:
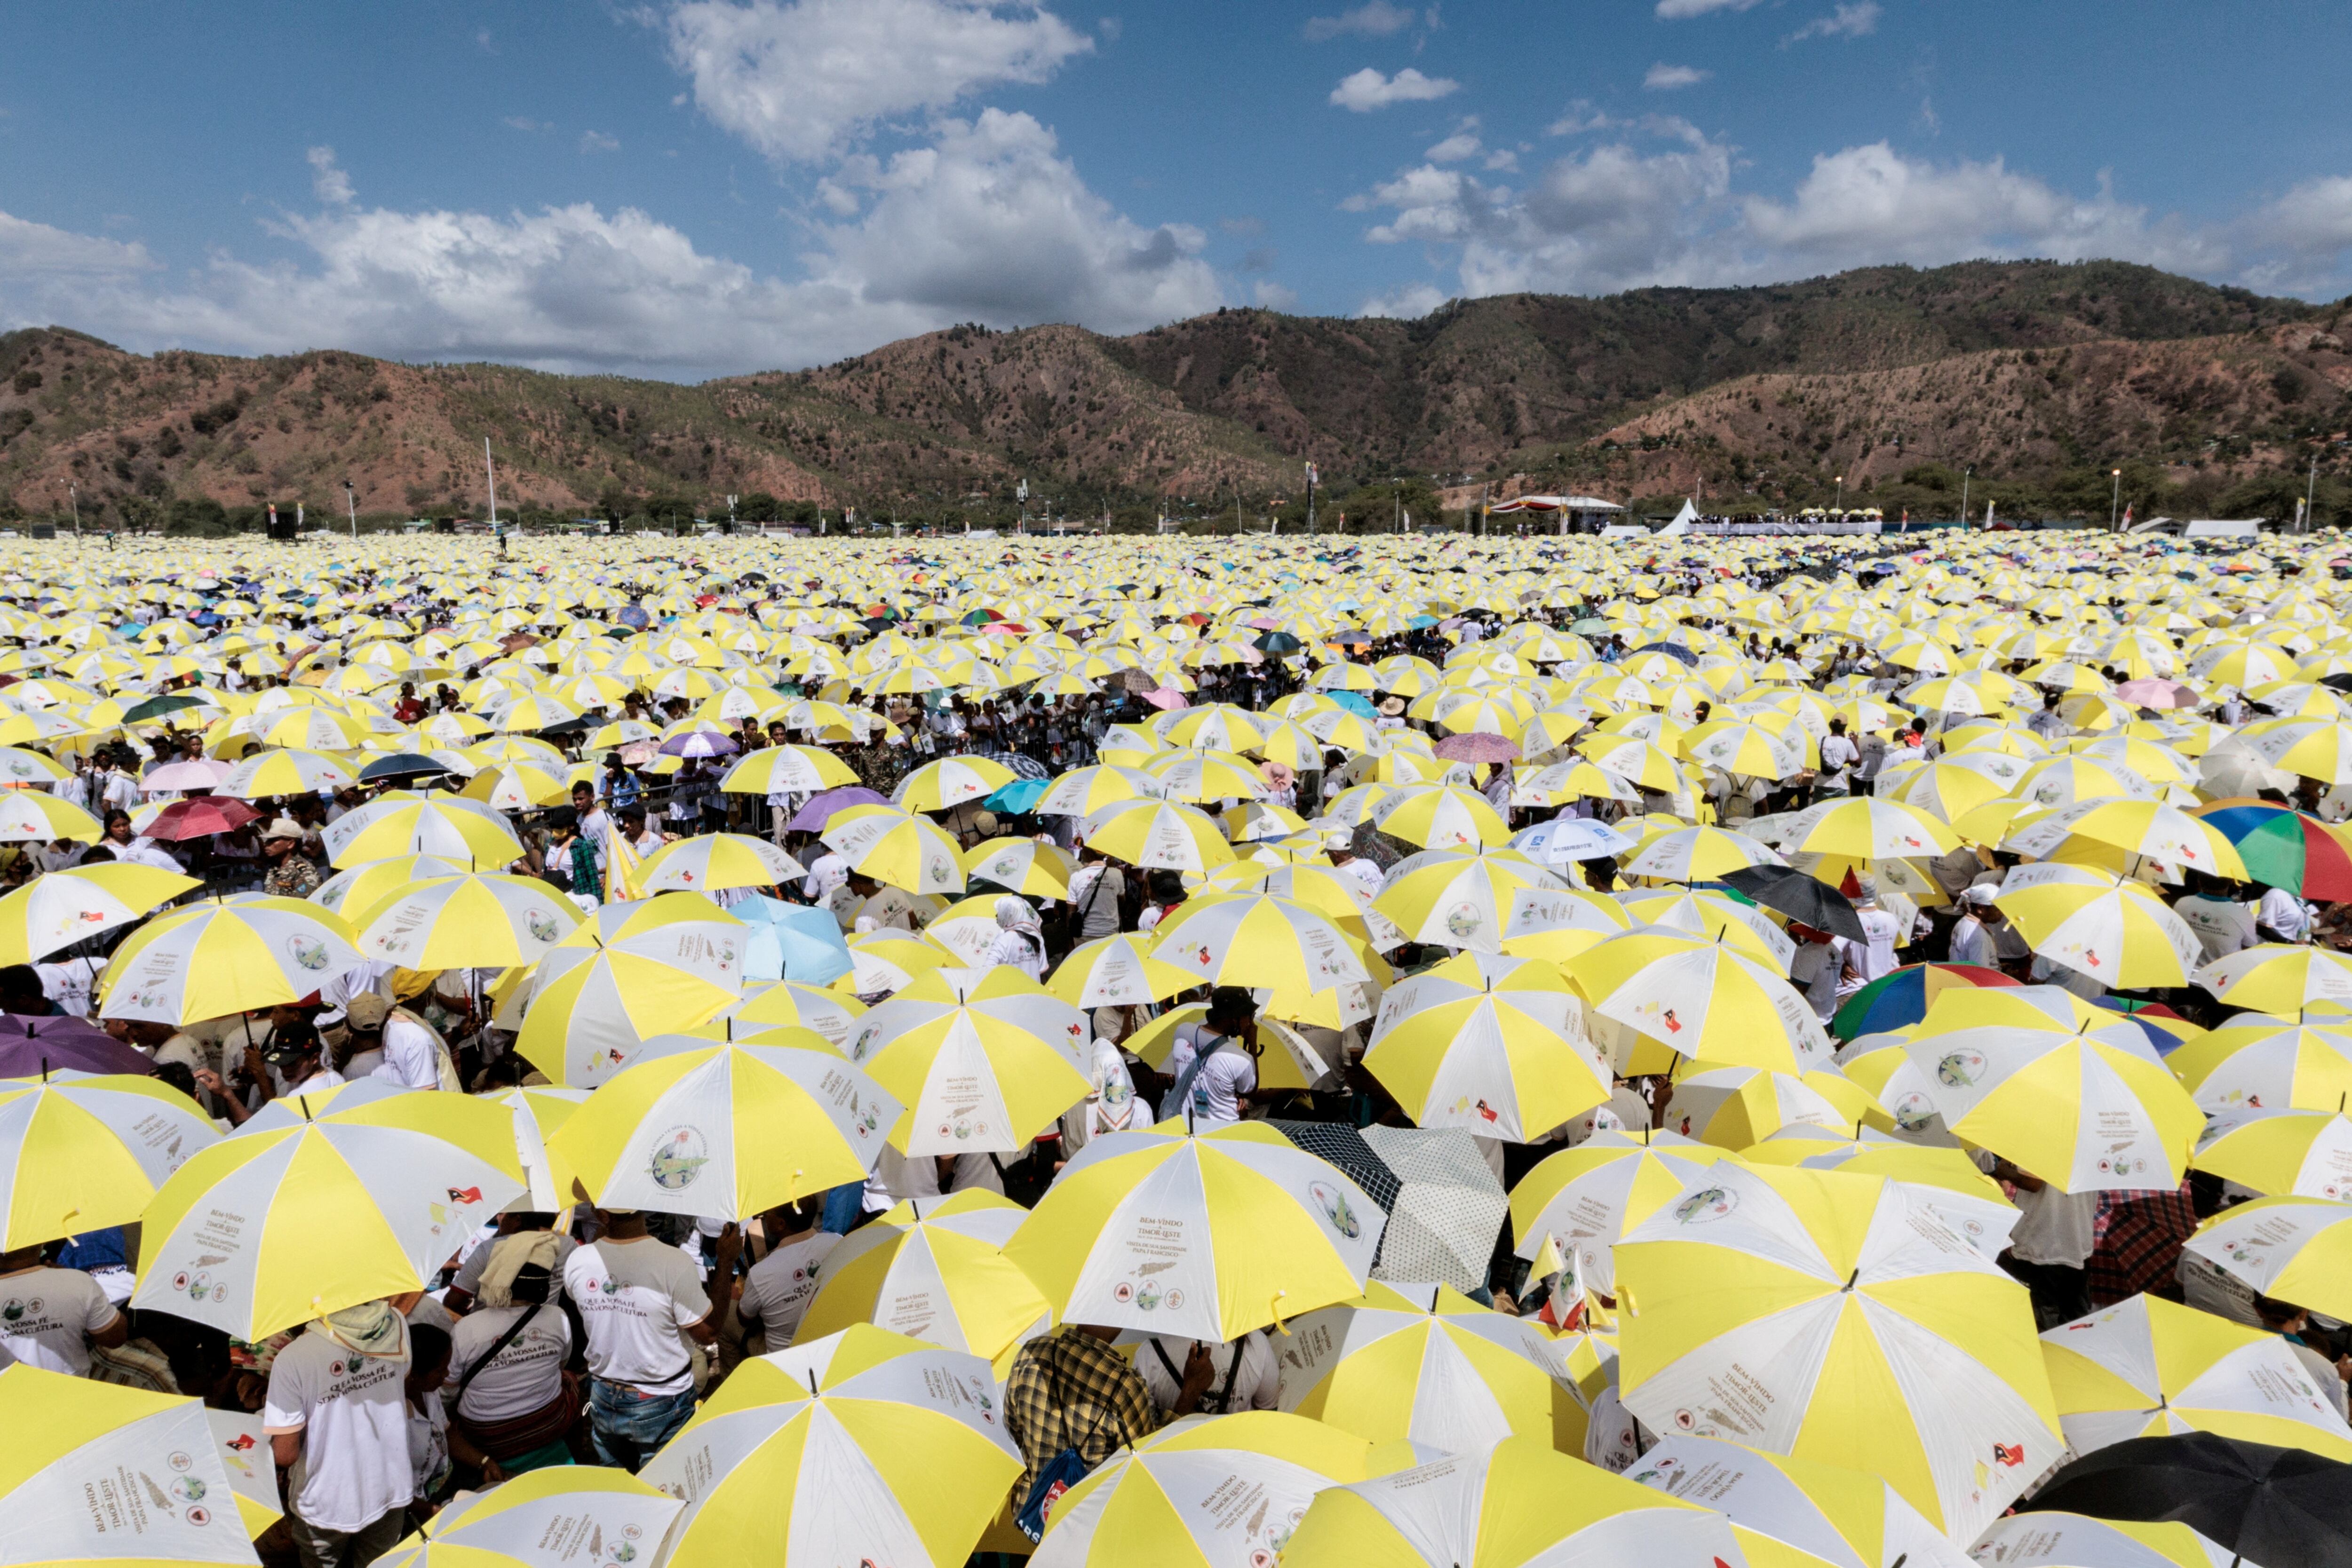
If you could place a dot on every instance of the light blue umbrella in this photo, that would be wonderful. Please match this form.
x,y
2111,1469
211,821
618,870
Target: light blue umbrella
x,y
790,942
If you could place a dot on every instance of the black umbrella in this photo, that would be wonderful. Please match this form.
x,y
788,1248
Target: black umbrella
x,y
2282,1507
1276,643
1798,897
401,765
1672,650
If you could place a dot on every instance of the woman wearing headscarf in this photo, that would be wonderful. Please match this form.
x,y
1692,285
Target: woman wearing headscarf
x,y
1020,937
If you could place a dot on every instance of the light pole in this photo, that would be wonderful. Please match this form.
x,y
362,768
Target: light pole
x,y
351,501
74,501
1841,495
2311,494
2115,500
1966,475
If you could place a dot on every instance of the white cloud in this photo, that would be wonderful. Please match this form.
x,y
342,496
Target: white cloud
x,y
1368,90
597,141
1664,78
1858,19
1672,10
1409,302
1463,143
803,81
1377,19
1272,296
328,182
990,223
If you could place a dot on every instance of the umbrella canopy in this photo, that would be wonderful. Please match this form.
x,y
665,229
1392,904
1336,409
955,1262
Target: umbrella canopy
x,y
88,1458
933,1268
2282,1507
981,1059
1426,1364
821,806
790,942
1117,970
37,1044
790,1004
895,846
2066,1091
2296,1250
713,861
81,1154
1872,1335
1582,1200
2259,1062
1494,1045
2284,848
537,1520
2281,1153
1902,997
298,1219
1467,899
1258,940
199,818
2279,977
724,1131
861,1447
479,919
1840,1516
1519,1504
62,907
1804,898
208,961
2150,1368
2110,927
783,770
1701,998
1205,1236
627,972
1201,1493
467,832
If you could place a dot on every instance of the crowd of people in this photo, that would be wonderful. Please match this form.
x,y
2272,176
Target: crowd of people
x,y
1622,746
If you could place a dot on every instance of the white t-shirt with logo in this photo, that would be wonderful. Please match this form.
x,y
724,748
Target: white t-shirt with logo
x,y
354,1418
2223,926
470,1267
46,1315
527,1375
780,1286
635,1299
1216,1089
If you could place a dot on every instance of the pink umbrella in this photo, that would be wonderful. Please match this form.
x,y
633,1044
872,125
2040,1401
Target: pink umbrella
x,y
200,815
1476,746
2153,693
1166,697
198,773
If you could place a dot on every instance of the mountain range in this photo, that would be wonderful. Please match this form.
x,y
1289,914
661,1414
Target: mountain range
x,y
2018,371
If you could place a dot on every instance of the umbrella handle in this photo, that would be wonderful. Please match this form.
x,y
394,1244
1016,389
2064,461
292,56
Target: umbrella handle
x,y
1281,1326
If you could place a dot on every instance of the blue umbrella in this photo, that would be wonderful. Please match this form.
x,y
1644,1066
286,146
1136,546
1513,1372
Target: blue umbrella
x,y
790,942
1019,796
1355,702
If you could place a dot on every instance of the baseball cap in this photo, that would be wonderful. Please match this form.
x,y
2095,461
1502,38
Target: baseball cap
x,y
368,1010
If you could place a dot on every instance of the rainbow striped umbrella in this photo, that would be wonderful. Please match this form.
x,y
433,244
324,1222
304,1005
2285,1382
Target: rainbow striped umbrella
x,y
1893,1000
2284,848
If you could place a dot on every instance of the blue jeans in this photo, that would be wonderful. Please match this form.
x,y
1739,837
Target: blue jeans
x,y
627,1426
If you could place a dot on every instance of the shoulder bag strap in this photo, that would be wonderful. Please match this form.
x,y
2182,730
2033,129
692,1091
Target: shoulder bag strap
x,y
514,1332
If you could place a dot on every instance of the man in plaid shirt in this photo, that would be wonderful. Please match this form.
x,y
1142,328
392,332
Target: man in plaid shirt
x,y
1072,1390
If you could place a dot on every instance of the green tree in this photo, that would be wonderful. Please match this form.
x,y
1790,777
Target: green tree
x,y
759,507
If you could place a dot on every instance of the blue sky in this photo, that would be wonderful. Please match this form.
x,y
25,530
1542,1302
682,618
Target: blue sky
x,y
706,187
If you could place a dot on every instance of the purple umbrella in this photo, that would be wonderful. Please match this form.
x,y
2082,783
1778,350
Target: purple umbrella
x,y
700,743
1477,747
812,817
31,1044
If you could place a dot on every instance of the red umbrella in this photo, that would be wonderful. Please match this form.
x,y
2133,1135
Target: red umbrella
x,y
199,816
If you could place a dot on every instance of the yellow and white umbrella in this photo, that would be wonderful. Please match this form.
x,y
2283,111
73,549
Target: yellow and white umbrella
x,y
1441,816
62,907
2279,978
1860,1329
1425,1364
1258,940
480,920
32,817
2149,1368
2149,829
2047,1536
950,781
1082,791
1494,1045
1701,998
1848,1518
541,1520
1580,1200
1733,1108
1469,899
314,1211
726,1131
1158,833
2296,1250
2259,1062
81,1151
1519,1504
2280,1153
208,961
1202,1492
897,847
982,1060
781,770
885,961
865,1446
1205,1236
713,861
1117,971
933,1268
466,832
1028,866
791,1004
1699,855
2108,926
101,1473
1863,828
370,882
629,972
2071,1093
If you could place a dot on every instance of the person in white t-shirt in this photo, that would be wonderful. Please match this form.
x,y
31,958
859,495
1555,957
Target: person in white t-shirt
x,y
337,1415
778,1288
1212,1070
412,1054
1973,939
1245,1374
507,1358
2280,916
2050,1246
641,1300
50,1316
2223,925
1882,932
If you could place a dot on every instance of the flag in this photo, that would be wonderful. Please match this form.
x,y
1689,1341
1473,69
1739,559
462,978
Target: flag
x,y
1563,1309
2127,514
621,867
